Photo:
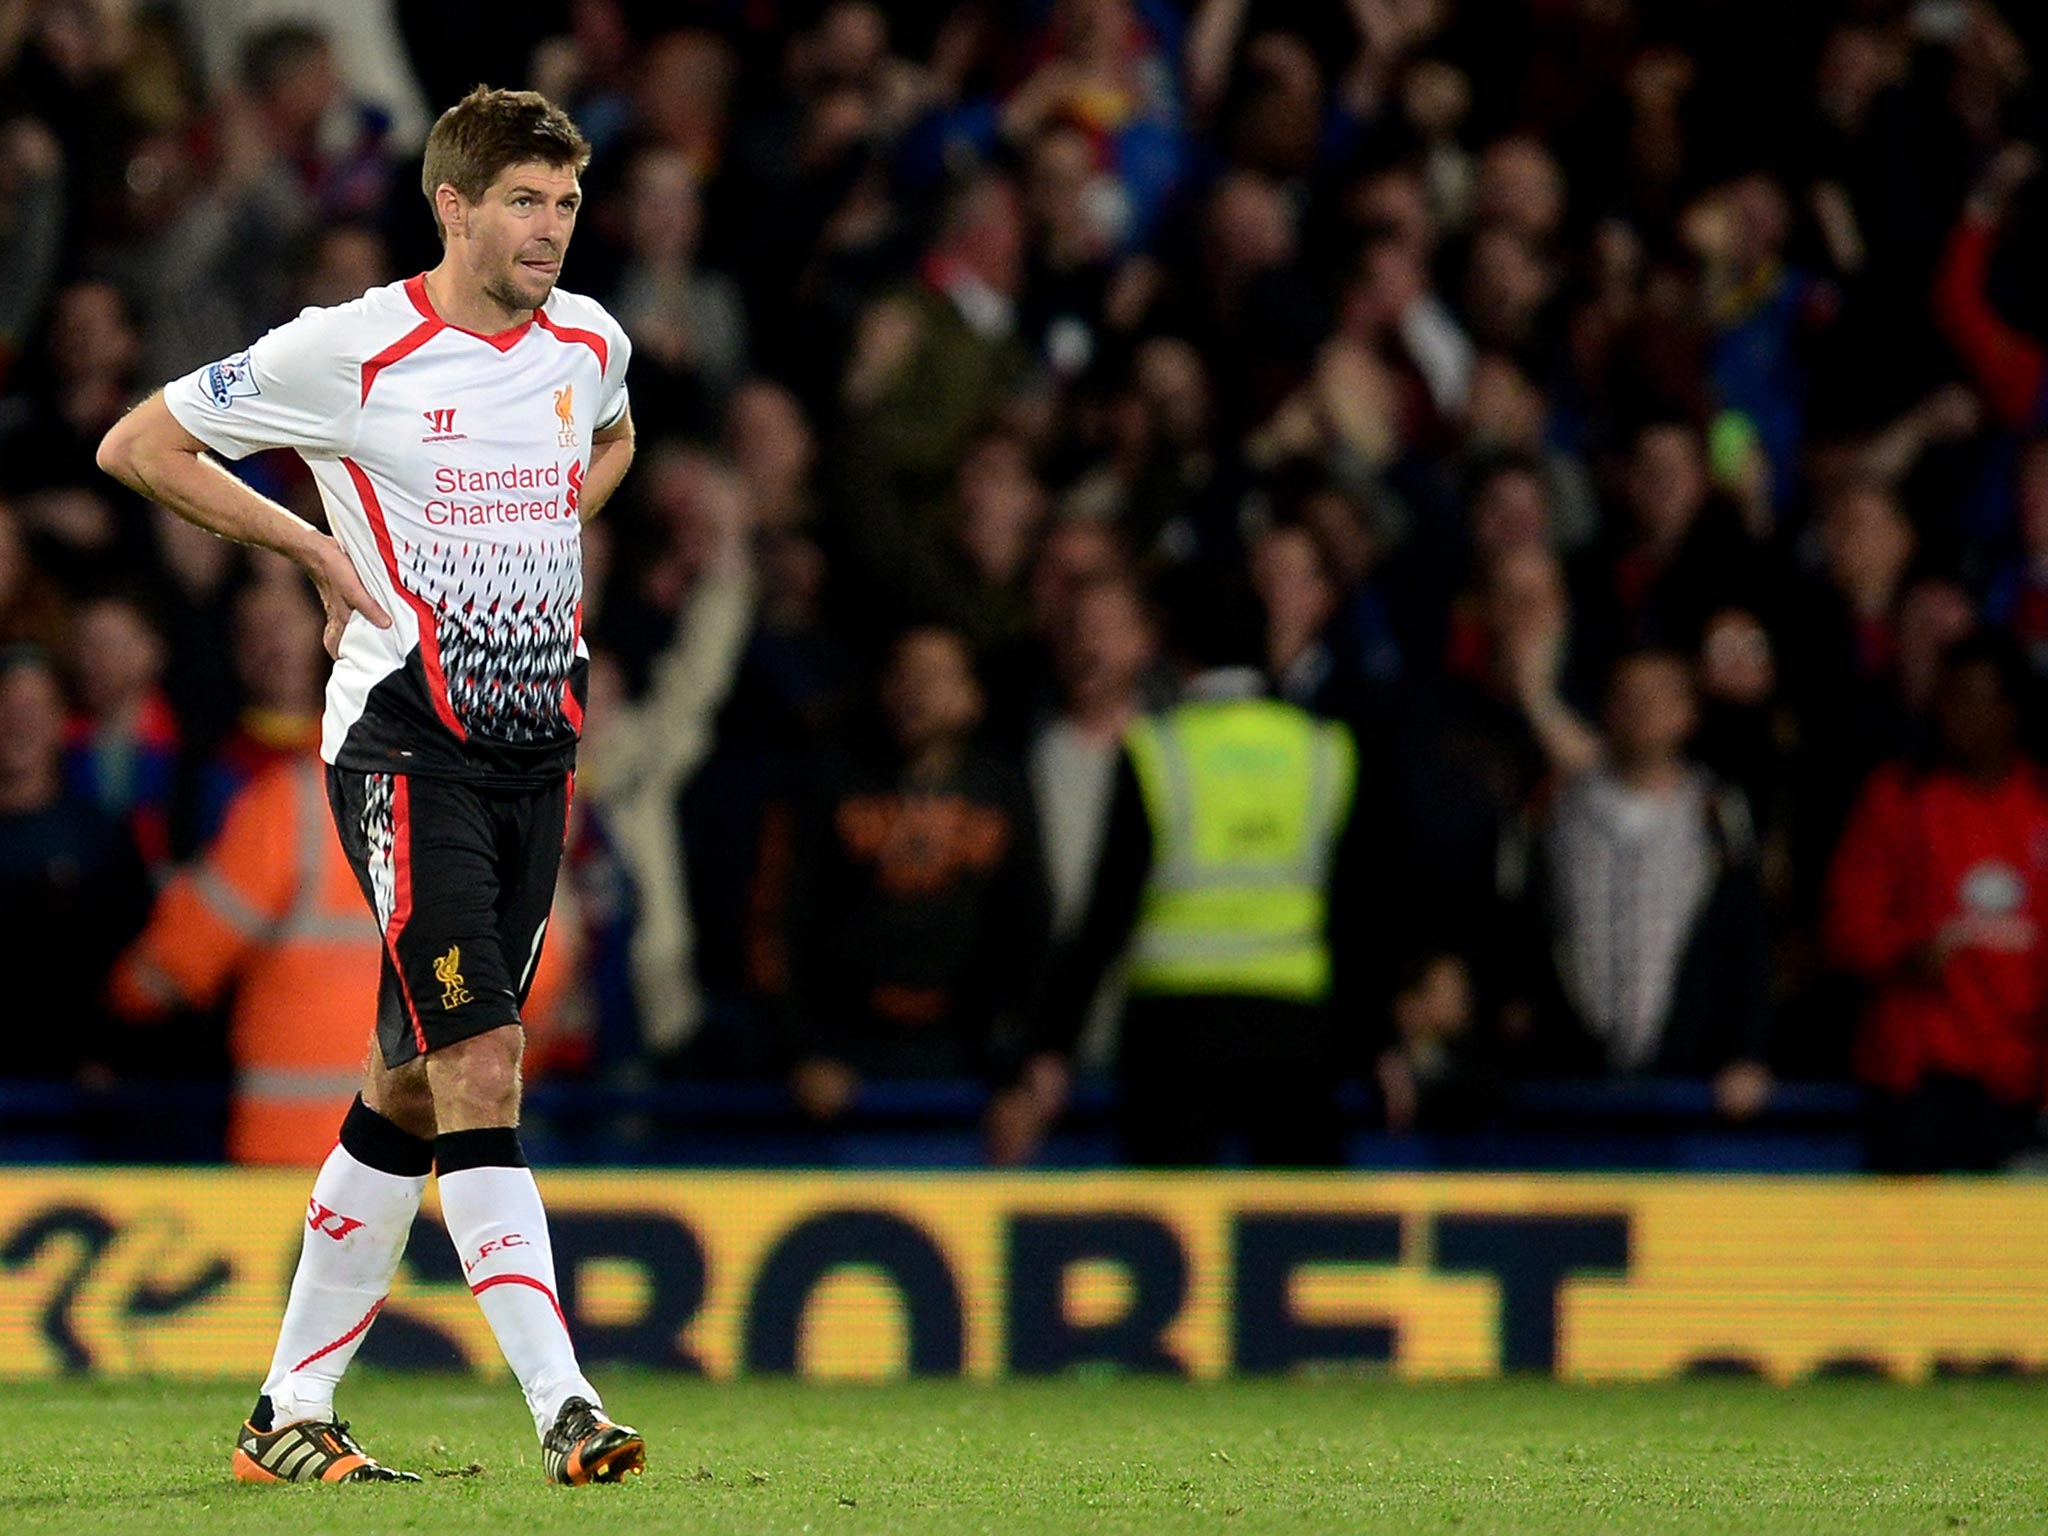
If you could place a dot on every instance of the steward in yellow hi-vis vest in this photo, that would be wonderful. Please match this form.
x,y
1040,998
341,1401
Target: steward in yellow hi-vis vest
x,y
1245,797
1223,877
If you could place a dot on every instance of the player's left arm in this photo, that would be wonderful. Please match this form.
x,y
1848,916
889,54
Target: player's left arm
x,y
611,451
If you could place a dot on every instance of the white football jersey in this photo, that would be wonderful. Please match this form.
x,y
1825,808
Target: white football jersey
x,y
450,464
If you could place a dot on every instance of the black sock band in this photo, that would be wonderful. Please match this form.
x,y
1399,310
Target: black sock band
x,y
495,1146
382,1144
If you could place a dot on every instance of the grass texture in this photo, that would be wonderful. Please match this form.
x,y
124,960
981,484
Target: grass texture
x,y
1070,1457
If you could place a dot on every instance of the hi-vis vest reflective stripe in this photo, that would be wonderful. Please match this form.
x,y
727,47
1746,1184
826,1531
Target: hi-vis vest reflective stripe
x,y
1246,799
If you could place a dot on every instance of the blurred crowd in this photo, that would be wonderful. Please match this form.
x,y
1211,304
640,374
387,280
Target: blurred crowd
x,y
1631,419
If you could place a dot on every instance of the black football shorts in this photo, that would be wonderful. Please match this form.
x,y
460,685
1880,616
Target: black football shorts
x,y
461,877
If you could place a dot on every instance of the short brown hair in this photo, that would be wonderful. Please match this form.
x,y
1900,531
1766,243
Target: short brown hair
x,y
489,129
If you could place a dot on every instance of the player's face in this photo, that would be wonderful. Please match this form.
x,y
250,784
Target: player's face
x,y
519,232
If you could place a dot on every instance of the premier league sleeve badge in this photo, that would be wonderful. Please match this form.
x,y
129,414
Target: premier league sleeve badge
x,y
231,379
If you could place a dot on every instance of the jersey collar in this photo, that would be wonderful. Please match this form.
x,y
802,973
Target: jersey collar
x,y
504,341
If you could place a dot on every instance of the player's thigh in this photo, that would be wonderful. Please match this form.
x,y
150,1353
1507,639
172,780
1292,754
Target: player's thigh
x,y
426,854
534,830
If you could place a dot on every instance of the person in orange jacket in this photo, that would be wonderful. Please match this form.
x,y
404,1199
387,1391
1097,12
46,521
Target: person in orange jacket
x,y
272,911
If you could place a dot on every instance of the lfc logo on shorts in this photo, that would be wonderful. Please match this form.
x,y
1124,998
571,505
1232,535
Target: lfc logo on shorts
x,y
448,972
565,412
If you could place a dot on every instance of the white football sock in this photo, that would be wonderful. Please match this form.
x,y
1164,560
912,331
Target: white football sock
x,y
356,1226
500,1233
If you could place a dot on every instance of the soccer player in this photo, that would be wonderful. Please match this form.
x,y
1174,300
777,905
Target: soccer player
x,y
461,426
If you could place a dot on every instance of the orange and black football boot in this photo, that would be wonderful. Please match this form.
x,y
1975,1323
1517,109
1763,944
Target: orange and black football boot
x,y
586,1447
309,1451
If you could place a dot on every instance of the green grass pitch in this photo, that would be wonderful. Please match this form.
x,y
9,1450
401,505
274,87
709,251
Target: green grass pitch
x,y
1072,1457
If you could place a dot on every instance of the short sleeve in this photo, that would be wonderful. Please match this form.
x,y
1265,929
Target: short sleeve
x,y
298,387
611,402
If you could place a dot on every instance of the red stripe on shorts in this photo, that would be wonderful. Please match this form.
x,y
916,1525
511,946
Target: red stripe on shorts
x,y
401,895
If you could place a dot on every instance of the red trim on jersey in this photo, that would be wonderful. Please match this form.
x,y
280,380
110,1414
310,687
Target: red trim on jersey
x,y
405,346
401,897
430,640
589,339
568,802
504,341
571,710
484,1285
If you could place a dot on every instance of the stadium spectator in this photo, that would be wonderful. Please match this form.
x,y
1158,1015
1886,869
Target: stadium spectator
x,y
1765,314
88,365
66,68
32,224
914,919
1229,867
193,583
32,607
271,922
790,697
1352,541
1074,554
960,559
296,82
1106,65
341,262
1438,1072
1935,613
1938,905
1300,599
1240,299
1075,292
930,364
638,753
1506,423
1841,643
1509,513
366,50
1509,303
121,748
2007,365
999,510
1674,557
1153,468
1520,187
1653,905
290,153
1103,659
280,670
72,888
1748,733
1472,752
776,453
688,326
1845,637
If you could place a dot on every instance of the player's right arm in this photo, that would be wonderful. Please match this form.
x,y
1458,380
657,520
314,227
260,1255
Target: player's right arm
x,y
152,454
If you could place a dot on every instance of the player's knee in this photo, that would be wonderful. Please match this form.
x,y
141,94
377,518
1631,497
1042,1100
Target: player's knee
x,y
401,1095
475,1082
